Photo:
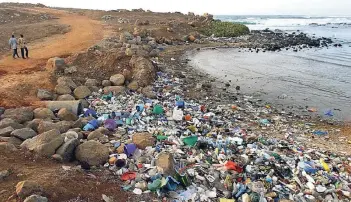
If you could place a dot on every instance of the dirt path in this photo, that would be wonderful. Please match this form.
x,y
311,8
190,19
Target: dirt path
x,y
20,78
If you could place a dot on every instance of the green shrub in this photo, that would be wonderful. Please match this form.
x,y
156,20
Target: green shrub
x,y
225,29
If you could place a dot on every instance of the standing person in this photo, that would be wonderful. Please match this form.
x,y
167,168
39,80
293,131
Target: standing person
x,y
21,44
26,49
13,46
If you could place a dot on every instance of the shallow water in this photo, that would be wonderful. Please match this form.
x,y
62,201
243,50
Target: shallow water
x,y
319,78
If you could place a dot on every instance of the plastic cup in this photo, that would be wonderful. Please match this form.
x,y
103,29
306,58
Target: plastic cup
x,y
129,149
190,141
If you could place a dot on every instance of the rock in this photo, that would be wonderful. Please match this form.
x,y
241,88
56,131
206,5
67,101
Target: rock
x,y
66,115
114,89
62,126
57,157
62,89
81,92
57,65
129,52
125,36
20,115
65,97
84,103
133,86
191,38
5,132
36,198
165,161
43,113
10,122
117,79
33,124
15,141
45,94
92,152
44,144
66,151
27,188
148,92
24,133
66,81
127,74
92,82
4,174
71,70
6,147
143,140
103,130
106,83
154,53
143,70
94,88
95,135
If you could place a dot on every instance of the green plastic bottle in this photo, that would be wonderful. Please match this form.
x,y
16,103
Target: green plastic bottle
x,y
158,110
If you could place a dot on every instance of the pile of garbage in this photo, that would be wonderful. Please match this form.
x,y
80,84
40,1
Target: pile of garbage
x,y
185,151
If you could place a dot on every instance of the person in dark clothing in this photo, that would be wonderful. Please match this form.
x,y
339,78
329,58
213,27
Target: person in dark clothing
x,y
13,46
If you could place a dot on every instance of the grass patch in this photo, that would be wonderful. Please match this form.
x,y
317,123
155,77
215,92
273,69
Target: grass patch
x,y
225,29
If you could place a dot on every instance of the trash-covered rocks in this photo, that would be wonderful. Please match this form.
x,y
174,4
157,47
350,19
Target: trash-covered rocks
x,y
92,153
27,188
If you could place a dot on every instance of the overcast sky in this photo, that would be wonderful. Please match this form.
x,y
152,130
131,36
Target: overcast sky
x,y
235,7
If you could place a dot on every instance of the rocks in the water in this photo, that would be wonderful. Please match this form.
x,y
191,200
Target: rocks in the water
x,y
24,133
45,94
117,79
20,115
5,132
148,92
81,92
62,126
66,151
10,122
66,97
143,140
165,161
114,89
92,152
36,198
44,144
62,89
27,188
106,83
43,113
66,115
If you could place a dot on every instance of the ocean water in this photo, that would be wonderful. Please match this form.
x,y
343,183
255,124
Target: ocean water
x,y
318,78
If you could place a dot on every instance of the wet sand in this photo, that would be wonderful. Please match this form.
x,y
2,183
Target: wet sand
x,y
319,78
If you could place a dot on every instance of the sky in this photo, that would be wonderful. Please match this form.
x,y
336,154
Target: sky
x,y
217,7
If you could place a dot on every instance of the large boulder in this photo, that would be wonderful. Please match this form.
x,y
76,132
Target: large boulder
x,y
92,82
143,140
66,81
43,113
36,198
62,126
44,144
117,79
24,133
81,92
66,97
66,151
144,71
57,65
114,89
6,122
20,115
43,94
92,152
62,89
148,92
66,115
27,188
165,161
5,132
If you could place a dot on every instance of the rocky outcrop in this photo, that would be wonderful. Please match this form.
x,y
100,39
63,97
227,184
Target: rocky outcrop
x,y
144,71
